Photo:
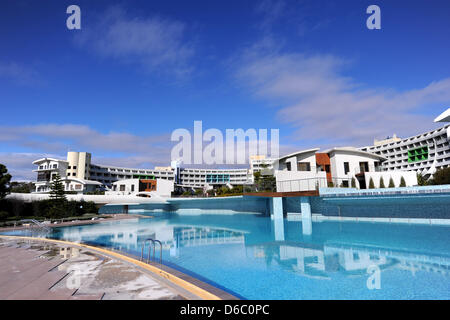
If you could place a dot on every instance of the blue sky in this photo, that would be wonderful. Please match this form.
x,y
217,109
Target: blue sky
x,y
137,70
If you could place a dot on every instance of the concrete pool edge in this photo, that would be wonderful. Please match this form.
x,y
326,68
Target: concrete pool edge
x,y
186,282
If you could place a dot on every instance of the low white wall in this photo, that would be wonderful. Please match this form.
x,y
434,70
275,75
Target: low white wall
x,y
100,199
288,181
164,187
409,176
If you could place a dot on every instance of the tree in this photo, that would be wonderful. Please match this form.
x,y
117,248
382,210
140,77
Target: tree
x,y
257,176
402,182
57,189
353,183
371,184
22,187
421,181
382,183
441,176
5,179
391,183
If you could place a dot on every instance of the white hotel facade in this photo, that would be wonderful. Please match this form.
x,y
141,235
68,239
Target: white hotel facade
x,y
79,174
394,158
423,153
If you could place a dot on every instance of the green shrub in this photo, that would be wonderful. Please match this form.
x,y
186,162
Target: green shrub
x,y
402,182
391,183
382,183
371,184
46,208
3,215
421,181
353,183
441,176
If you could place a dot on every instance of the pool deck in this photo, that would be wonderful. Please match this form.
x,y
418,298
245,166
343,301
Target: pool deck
x,y
44,269
75,222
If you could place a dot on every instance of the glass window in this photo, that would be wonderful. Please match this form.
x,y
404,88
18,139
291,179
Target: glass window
x,y
346,168
304,166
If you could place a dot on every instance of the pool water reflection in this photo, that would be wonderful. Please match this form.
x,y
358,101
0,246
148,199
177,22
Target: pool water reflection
x,y
259,258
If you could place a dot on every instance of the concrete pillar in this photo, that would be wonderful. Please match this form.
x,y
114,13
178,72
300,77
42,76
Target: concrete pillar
x,y
305,207
276,208
278,225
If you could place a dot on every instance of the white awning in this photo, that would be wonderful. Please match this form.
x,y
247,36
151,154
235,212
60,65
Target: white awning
x,y
444,116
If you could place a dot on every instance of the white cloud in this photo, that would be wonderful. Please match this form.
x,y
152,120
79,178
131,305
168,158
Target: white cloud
x,y
316,99
55,140
156,44
19,74
20,165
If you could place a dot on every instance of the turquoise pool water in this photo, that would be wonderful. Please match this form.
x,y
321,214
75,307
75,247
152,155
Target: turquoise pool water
x,y
259,258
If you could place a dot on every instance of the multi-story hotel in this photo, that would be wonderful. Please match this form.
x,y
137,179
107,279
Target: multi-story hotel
x,y
423,153
79,174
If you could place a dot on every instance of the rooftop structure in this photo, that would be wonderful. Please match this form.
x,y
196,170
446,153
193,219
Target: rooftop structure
x,y
394,138
444,116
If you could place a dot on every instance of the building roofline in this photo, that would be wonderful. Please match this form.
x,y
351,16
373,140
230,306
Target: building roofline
x,y
298,152
48,159
443,117
354,150
408,138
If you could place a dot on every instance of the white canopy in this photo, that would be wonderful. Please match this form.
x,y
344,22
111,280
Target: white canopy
x,y
444,116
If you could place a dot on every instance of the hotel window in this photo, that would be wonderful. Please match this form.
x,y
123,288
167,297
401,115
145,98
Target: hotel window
x,y
346,168
288,166
74,167
69,167
122,187
304,166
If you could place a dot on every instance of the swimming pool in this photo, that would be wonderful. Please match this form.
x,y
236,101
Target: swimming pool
x,y
255,257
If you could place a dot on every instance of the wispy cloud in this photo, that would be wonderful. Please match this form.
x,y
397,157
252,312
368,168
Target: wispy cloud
x,y
56,139
19,74
314,96
270,11
153,43
20,165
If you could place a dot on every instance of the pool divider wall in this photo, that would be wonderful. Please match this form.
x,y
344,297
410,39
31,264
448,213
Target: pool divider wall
x,y
426,203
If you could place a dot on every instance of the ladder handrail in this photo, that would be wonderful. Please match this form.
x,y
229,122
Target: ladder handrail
x,y
149,248
37,223
152,243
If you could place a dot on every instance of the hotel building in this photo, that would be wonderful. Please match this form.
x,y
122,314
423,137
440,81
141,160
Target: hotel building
x,y
423,153
81,175
394,158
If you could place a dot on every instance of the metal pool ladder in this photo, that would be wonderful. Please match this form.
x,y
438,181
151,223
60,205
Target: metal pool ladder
x,y
152,244
38,224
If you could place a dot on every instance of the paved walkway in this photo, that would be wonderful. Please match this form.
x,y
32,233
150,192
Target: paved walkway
x,y
35,270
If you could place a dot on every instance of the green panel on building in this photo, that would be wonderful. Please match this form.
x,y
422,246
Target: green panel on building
x,y
418,154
